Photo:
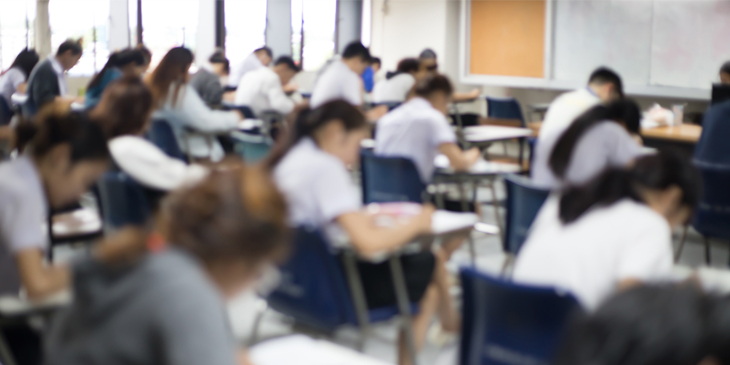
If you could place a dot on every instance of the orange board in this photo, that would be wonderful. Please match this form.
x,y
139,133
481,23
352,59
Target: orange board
x,y
508,37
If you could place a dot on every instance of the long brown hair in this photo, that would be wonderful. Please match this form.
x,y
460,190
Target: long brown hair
x,y
172,69
128,104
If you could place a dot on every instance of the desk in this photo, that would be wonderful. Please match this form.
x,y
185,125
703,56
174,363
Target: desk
x,y
302,350
487,134
80,224
685,133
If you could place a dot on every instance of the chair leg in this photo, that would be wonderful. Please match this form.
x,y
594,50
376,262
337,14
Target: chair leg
x,y
495,204
707,251
358,297
404,304
6,356
678,254
507,262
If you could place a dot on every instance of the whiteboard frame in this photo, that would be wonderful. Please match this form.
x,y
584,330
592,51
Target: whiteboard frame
x,y
547,82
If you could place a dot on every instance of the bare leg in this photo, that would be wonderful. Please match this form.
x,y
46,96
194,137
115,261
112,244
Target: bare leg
x,y
428,306
448,315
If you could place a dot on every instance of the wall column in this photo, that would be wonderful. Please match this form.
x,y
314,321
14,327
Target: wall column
x,y
42,29
349,23
278,27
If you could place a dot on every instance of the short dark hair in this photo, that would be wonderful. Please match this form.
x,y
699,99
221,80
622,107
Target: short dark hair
x,y
725,68
427,54
288,61
265,49
145,52
408,65
433,84
356,49
219,57
375,60
26,61
70,45
605,75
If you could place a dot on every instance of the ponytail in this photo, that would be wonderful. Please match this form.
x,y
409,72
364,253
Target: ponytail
x,y
654,172
309,121
624,111
111,62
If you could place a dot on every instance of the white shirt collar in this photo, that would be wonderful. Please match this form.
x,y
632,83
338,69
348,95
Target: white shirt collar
x,y
57,66
419,102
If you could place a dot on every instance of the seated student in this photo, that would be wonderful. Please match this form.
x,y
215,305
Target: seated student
x,y
13,80
261,57
125,107
311,171
263,89
341,78
178,103
713,147
603,137
604,86
419,130
613,232
47,82
376,64
153,304
429,65
398,85
147,57
651,325
129,62
207,81
725,73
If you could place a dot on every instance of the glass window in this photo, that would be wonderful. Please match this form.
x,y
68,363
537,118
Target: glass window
x,y
91,28
245,28
313,21
167,24
16,29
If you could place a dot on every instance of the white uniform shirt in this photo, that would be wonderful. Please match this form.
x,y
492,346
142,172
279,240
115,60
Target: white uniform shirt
x,y
560,115
395,89
23,216
261,91
414,130
10,81
250,63
337,82
60,73
191,112
592,255
317,187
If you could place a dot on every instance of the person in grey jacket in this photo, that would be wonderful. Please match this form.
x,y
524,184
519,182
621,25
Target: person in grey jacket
x,y
47,81
207,81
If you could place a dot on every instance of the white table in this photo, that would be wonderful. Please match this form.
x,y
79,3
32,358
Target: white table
x,y
302,350
79,223
18,99
480,169
492,133
15,306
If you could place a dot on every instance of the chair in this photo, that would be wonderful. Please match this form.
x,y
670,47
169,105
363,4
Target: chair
x,y
507,323
162,136
712,216
6,112
505,108
315,292
122,201
524,200
390,179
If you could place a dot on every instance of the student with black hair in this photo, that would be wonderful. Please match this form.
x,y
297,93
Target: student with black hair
x,y
262,90
47,82
428,62
603,137
604,85
130,62
311,171
261,57
398,85
341,78
613,232
207,81
13,80
147,54
725,73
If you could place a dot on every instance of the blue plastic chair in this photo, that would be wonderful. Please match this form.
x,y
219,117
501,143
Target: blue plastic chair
x,y
390,179
505,108
162,136
524,201
122,201
507,323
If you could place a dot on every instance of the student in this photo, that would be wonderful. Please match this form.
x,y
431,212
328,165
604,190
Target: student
x,y
311,171
178,103
651,325
13,80
418,129
725,73
601,138
376,64
125,107
614,232
207,81
153,304
429,65
713,147
604,86
261,57
263,89
129,62
147,56
47,82
398,85
341,79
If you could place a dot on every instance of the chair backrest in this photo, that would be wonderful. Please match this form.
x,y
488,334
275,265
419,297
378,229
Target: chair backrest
x,y
524,200
507,108
507,323
122,201
6,112
390,179
313,288
162,135
713,212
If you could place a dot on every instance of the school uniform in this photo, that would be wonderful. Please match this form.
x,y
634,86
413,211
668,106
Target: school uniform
x,y
318,189
261,90
414,130
250,63
393,89
93,94
208,85
9,82
560,115
592,255
337,81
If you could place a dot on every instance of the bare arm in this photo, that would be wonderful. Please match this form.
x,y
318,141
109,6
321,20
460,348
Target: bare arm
x,y
466,96
460,160
21,88
39,279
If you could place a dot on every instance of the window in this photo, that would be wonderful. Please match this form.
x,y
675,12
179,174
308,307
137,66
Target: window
x,y
245,28
314,22
16,29
166,24
92,28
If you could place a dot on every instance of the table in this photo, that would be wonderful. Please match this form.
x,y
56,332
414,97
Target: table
x,y
487,134
20,99
303,350
82,223
684,133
